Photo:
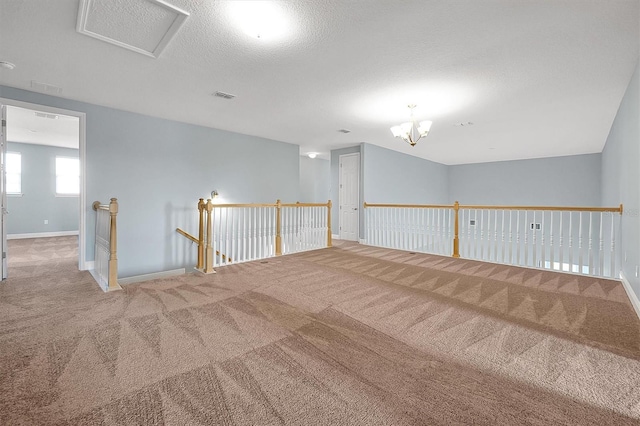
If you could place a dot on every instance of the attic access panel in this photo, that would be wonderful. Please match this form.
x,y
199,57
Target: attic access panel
x,y
143,26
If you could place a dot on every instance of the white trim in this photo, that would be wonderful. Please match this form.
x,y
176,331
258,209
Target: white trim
x,y
335,236
362,241
82,118
633,297
41,235
152,276
91,265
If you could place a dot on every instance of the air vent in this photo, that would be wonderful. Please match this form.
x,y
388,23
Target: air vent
x,y
44,87
344,131
45,115
224,95
464,124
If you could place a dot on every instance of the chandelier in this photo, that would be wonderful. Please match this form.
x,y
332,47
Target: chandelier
x,y
411,132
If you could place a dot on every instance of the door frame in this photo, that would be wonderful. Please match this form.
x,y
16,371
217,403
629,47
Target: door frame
x,y
354,154
82,239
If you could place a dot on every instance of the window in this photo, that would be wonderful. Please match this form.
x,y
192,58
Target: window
x,y
14,172
67,176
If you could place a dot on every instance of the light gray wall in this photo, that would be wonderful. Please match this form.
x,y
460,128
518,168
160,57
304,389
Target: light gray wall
x,y
621,178
558,181
335,183
315,180
394,177
159,168
38,201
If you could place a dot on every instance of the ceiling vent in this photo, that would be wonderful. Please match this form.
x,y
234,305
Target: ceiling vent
x,y
344,131
143,26
45,115
44,87
224,95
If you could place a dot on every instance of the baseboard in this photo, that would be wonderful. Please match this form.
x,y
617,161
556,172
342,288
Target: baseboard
x,y
152,276
362,241
89,266
633,297
41,235
335,236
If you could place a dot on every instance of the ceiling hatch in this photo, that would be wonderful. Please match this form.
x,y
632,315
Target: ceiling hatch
x,y
144,26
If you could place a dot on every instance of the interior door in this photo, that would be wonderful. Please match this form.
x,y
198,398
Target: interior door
x,y
3,192
349,196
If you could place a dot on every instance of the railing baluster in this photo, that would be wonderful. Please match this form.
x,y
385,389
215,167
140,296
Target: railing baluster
x,y
580,244
570,241
591,267
601,246
551,247
613,273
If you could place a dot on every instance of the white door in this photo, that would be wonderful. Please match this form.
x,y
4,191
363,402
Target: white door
x,y
349,199
3,192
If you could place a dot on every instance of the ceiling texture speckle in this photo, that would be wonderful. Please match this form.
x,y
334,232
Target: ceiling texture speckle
x,y
537,78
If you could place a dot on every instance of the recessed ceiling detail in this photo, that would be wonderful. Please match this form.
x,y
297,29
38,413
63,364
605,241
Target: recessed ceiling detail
x,y
143,26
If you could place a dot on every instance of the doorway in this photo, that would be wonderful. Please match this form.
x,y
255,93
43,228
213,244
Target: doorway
x,y
42,185
349,196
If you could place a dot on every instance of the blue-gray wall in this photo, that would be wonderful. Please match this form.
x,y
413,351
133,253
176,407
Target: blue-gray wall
x,y
315,180
557,181
621,178
394,177
38,201
159,168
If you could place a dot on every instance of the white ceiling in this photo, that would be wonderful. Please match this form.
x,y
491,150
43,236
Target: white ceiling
x,y
41,128
537,78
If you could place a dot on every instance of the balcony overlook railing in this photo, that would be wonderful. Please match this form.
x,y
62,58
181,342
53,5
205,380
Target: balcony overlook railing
x,y
233,233
578,240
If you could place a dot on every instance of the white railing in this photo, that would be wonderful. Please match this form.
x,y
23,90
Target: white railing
x,y
234,233
418,228
578,240
105,269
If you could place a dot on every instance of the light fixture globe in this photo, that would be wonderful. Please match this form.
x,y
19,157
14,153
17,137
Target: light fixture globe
x,y
407,131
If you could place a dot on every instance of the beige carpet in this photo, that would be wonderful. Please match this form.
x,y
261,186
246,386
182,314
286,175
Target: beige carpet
x,y
351,335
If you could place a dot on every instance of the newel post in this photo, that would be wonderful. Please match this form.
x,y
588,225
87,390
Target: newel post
x,y
113,245
456,241
200,264
208,268
278,228
329,240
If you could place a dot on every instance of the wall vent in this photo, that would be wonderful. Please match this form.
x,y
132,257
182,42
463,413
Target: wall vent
x,y
224,95
44,87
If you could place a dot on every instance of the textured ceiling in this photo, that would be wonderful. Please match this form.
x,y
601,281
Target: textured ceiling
x,y
537,78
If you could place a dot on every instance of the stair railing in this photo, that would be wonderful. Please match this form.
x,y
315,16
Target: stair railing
x,y
243,232
106,245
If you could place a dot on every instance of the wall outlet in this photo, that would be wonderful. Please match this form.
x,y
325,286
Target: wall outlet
x,y
46,222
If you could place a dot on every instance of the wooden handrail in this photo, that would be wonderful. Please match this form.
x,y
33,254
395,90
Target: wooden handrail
x,y
411,206
188,235
547,208
618,209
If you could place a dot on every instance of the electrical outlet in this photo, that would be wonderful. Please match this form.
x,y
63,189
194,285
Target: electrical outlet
x,y
46,222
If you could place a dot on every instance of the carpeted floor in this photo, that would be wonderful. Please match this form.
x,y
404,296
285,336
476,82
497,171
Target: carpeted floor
x,y
351,335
